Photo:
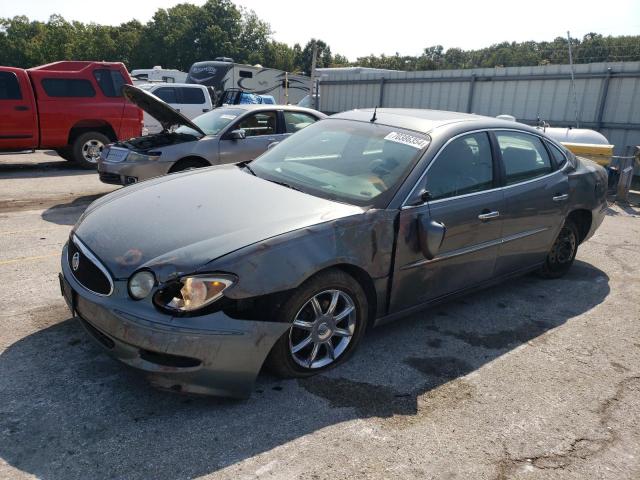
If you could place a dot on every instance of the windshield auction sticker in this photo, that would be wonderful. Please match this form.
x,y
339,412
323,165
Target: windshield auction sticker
x,y
415,142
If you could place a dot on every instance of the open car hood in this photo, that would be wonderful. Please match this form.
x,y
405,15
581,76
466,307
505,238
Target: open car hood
x,y
161,111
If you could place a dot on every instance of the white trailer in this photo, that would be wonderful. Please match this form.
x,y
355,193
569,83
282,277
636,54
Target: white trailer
x,y
158,74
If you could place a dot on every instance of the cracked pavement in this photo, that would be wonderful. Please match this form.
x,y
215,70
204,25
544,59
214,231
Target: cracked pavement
x,y
533,379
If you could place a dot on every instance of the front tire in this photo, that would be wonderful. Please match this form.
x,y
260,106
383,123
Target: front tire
x,y
562,253
87,149
187,164
328,315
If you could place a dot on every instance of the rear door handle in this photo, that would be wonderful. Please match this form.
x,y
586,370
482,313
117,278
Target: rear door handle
x,y
486,215
561,198
21,108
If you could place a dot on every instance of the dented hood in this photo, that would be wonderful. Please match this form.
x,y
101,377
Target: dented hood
x,y
158,109
179,223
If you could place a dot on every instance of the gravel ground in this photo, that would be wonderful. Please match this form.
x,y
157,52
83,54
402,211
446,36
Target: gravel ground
x,y
532,379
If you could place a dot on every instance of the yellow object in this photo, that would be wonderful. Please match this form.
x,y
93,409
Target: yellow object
x,y
598,153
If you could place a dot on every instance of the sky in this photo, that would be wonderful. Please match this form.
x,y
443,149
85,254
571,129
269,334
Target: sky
x,y
358,27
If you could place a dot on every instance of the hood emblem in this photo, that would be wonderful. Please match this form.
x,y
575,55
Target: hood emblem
x,y
75,261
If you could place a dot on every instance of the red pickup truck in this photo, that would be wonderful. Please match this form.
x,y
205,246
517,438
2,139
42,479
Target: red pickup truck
x,y
74,108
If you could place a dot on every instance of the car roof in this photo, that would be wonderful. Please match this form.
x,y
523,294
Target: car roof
x,y
272,106
425,121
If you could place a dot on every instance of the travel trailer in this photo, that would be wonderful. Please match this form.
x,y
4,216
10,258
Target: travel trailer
x,y
223,74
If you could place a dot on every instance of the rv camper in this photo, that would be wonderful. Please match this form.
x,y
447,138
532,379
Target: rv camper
x,y
223,74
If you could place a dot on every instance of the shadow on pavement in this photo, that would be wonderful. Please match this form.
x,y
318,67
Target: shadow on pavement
x,y
68,411
69,213
57,167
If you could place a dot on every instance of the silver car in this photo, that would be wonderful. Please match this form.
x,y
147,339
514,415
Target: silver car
x,y
230,134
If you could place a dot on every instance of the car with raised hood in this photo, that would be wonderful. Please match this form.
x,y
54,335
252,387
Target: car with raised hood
x,y
227,134
199,278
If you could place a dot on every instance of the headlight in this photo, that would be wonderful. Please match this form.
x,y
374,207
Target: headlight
x,y
194,292
140,284
143,157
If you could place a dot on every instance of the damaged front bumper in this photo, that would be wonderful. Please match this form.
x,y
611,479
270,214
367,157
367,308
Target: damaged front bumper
x,y
210,354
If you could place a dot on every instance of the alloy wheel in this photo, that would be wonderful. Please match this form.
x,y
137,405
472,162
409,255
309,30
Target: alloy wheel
x,y
322,329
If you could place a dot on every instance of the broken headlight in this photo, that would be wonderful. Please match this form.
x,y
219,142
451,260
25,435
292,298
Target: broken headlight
x,y
193,292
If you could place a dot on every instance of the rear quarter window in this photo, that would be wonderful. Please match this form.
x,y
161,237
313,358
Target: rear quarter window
x,y
9,87
559,157
68,87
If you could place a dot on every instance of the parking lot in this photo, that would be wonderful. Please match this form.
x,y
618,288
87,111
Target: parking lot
x,y
533,379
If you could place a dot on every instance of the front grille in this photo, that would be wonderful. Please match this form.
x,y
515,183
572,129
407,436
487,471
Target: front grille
x,y
112,178
88,272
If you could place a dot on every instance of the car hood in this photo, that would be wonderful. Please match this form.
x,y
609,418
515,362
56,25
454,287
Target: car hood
x,y
158,109
177,224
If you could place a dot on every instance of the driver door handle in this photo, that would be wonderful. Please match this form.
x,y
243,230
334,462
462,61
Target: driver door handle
x,y
561,198
486,215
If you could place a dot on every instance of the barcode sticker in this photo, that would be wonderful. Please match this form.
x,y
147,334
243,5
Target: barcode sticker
x,y
405,139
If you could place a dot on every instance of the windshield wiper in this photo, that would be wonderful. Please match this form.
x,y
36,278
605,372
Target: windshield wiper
x,y
284,184
245,164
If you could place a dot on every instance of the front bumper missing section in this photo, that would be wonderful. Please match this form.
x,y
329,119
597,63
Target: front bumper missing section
x,y
179,354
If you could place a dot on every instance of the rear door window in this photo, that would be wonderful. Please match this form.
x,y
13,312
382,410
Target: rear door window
x,y
523,155
167,94
464,166
191,96
109,81
296,121
9,87
68,87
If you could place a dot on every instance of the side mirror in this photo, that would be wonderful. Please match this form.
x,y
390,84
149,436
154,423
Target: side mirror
x,y
430,235
238,134
271,145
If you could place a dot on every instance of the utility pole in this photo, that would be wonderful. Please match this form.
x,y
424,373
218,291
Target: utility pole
x,y
314,90
573,79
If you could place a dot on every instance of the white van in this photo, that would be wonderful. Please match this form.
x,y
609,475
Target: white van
x,y
188,99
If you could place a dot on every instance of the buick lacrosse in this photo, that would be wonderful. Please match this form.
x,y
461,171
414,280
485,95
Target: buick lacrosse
x,y
202,277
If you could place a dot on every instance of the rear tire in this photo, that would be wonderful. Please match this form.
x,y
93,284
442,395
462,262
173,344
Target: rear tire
x,y
327,313
87,149
562,253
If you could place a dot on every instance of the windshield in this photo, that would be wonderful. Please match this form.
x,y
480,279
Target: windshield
x,y
352,162
212,122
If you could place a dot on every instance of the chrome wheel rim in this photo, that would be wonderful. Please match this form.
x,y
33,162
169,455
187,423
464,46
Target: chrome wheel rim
x,y
91,150
564,247
322,329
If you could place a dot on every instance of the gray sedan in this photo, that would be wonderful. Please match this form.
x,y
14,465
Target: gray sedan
x,y
224,135
286,261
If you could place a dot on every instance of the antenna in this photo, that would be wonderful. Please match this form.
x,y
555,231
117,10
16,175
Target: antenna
x,y
374,118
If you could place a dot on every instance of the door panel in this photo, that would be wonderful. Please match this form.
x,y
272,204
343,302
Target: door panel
x,y
261,130
18,122
461,184
467,255
535,201
531,222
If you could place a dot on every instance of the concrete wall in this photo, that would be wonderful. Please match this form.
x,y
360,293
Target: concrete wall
x,y
608,94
